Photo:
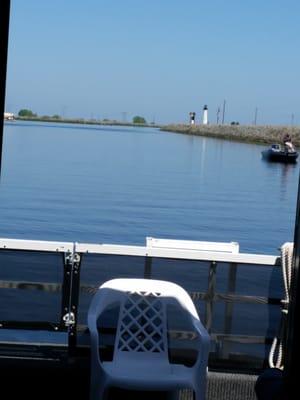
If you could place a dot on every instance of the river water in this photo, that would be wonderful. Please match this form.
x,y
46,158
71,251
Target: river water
x,y
98,184
119,185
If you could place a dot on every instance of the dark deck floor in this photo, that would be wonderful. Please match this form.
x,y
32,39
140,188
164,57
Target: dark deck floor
x,y
33,379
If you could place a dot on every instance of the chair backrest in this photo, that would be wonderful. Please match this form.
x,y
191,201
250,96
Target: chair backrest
x,y
142,322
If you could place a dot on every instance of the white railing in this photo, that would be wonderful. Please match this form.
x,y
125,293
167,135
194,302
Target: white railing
x,y
232,247
36,245
160,248
72,284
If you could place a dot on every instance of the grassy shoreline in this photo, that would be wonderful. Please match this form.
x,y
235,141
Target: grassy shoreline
x,y
240,133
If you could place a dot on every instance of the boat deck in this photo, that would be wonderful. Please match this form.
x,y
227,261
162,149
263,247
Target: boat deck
x,y
22,379
46,289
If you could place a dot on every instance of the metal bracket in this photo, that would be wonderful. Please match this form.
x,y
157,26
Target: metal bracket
x,y
70,291
69,319
72,258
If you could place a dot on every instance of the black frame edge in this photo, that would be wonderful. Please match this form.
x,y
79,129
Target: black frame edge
x,y
4,32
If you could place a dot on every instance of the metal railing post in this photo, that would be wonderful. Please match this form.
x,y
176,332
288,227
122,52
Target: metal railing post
x,y
229,307
210,296
66,289
148,268
74,301
70,297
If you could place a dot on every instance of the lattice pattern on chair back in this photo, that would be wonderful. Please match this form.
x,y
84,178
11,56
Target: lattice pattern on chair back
x,y
142,322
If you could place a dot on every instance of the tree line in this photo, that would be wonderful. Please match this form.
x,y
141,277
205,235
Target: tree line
x,y
26,113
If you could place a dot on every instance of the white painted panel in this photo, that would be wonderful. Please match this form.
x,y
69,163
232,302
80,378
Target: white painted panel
x,y
224,247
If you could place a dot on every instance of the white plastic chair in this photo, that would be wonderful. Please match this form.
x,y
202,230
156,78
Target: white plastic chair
x,y
140,359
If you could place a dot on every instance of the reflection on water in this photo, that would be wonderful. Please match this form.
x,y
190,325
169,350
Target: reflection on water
x,y
287,173
203,150
286,169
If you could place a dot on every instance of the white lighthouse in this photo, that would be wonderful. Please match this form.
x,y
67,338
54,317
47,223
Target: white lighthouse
x,y
205,115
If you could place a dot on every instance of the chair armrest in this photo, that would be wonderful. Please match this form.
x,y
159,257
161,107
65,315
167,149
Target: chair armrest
x,y
101,300
204,342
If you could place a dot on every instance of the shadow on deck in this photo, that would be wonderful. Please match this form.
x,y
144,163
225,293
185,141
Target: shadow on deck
x,y
39,379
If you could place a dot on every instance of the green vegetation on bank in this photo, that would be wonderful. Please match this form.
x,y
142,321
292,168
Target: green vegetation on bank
x,y
240,133
26,113
138,120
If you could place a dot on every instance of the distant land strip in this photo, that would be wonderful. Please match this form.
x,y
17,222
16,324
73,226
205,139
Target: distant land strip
x,y
84,121
265,134
241,133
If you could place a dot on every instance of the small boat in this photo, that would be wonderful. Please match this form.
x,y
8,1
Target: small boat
x,y
277,153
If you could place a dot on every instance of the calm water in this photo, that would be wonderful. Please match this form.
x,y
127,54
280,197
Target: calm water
x,y
119,185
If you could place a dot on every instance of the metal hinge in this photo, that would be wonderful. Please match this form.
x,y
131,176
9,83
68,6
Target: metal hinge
x,y
69,319
72,258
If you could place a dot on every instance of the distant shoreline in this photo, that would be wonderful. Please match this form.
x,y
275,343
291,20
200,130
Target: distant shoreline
x,y
239,133
84,121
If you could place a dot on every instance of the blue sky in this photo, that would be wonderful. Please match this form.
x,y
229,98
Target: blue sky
x,y
159,59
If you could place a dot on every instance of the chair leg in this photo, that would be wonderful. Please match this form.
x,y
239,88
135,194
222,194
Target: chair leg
x,y
100,394
98,390
199,393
